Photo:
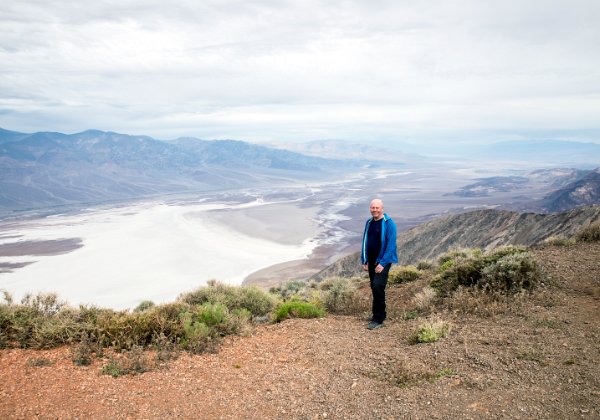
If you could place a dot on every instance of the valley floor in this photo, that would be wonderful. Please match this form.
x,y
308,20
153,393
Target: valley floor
x,y
537,359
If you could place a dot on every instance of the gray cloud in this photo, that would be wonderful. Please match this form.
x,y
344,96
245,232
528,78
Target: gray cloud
x,y
277,70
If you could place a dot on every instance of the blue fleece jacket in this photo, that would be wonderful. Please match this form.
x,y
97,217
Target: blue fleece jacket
x,y
388,253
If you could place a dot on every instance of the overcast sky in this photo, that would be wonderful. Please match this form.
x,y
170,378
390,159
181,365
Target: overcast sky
x,y
271,70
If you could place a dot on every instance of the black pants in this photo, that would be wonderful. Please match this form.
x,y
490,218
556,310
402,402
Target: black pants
x,y
378,283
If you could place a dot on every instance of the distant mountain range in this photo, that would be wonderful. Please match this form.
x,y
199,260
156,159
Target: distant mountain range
x,y
568,188
48,169
481,228
581,192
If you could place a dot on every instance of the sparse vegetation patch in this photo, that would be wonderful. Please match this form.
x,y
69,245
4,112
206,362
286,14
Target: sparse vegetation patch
x,y
297,309
590,233
431,331
560,241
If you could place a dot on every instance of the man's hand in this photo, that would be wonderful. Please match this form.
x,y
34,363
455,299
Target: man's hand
x,y
379,268
365,267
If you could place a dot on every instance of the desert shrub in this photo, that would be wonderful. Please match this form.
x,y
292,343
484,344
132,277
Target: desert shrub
x,y
144,306
458,253
166,318
165,348
211,314
458,271
55,330
251,298
410,315
559,241
82,353
197,337
424,299
297,309
403,274
205,324
132,362
256,301
590,233
113,368
430,331
43,303
511,273
240,322
482,303
6,322
340,296
123,330
137,361
465,268
424,265
289,289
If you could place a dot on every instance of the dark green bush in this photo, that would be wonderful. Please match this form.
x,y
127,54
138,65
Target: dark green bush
x,y
197,337
403,274
296,309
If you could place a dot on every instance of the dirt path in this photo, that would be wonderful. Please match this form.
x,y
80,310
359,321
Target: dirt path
x,y
541,361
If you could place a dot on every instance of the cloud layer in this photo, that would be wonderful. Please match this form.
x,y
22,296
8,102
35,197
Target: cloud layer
x,y
281,70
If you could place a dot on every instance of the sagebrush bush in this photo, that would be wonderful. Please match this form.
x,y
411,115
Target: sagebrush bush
x,y
424,265
251,298
458,253
559,241
424,299
131,362
297,309
340,296
483,303
430,331
289,289
43,303
197,337
511,273
466,267
403,274
589,233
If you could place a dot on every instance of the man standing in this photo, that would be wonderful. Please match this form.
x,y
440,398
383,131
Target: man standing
x,y
378,254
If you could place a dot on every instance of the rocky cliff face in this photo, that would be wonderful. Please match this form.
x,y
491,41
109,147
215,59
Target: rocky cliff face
x,y
482,229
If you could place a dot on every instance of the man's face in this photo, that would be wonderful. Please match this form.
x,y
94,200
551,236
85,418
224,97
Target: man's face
x,y
376,209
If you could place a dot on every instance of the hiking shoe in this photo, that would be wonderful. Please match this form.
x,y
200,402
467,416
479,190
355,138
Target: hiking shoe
x,y
373,325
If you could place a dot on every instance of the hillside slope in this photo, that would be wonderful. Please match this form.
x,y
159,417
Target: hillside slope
x,y
476,229
537,358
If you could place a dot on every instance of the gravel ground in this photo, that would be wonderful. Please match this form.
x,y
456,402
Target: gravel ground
x,y
539,359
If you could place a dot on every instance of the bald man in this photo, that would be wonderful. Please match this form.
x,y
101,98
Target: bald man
x,y
378,254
